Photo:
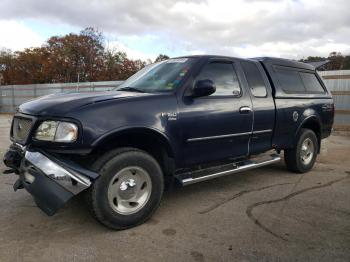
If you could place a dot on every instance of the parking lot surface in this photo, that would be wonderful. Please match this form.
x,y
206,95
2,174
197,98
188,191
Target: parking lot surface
x,y
266,214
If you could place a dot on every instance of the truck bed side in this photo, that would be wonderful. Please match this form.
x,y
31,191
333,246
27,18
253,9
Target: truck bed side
x,y
302,101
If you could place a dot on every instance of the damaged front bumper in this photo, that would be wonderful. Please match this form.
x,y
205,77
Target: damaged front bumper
x,y
51,180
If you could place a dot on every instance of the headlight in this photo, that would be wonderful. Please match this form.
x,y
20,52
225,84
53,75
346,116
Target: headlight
x,y
57,131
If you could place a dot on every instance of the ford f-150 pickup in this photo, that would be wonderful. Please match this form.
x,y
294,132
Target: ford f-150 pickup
x,y
179,121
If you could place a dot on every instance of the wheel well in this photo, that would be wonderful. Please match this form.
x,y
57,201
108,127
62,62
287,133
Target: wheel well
x,y
314,125
147,140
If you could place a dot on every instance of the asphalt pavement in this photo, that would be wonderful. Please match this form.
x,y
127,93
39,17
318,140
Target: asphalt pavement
x,y
266,214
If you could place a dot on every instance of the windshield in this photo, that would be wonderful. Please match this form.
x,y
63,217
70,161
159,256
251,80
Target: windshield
x,y
164,76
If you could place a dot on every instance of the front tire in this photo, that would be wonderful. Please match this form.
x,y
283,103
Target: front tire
x,y
302,157
129,189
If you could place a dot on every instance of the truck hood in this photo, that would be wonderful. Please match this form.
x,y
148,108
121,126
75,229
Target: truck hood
x,y
60,104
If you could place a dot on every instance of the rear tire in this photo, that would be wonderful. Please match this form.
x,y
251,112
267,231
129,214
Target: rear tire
x,y
302,157
129,189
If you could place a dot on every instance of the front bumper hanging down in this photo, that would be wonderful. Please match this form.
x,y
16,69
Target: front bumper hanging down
x,y
52,181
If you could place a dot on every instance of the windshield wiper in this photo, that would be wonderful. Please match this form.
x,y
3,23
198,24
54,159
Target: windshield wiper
x,y
131,89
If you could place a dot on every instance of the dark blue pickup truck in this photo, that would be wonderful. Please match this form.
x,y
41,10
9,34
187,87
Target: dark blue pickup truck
x,y
179,121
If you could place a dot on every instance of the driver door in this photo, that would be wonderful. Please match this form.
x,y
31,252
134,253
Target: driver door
x,y
217,126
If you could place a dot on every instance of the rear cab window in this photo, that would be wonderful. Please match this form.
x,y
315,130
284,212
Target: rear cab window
x,y
254,79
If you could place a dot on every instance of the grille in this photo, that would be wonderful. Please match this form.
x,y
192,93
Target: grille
x,y
21,128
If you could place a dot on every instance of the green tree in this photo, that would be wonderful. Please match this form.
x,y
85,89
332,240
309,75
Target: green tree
x,y
337,61
346,63
161,57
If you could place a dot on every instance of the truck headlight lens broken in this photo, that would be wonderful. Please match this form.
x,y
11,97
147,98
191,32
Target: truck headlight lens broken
x,y
57,131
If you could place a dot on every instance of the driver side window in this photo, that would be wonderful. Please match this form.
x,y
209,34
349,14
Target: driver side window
x,y
224,78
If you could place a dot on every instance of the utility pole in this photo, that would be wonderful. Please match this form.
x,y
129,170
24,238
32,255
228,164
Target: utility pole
x,y
78,82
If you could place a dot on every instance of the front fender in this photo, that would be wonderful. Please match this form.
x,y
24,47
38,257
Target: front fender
x,y
146,131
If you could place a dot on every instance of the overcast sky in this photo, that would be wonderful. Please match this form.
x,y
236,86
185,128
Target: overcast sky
x,y
145,28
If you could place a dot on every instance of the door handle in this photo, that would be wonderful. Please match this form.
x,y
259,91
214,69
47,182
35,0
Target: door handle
x,y
245,110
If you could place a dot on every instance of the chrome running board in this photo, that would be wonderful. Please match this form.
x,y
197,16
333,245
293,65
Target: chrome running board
x,y
189,178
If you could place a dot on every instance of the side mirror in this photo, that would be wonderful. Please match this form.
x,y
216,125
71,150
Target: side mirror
x,y
203,88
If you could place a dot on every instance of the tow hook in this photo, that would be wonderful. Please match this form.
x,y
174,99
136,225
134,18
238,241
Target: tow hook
x,y
18,185
12,159
10,171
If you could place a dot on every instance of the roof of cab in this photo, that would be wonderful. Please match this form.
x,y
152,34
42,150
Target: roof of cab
x,y
264,60
208,56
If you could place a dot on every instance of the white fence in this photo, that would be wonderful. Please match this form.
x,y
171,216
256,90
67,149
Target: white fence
x,y
338,83
12,96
